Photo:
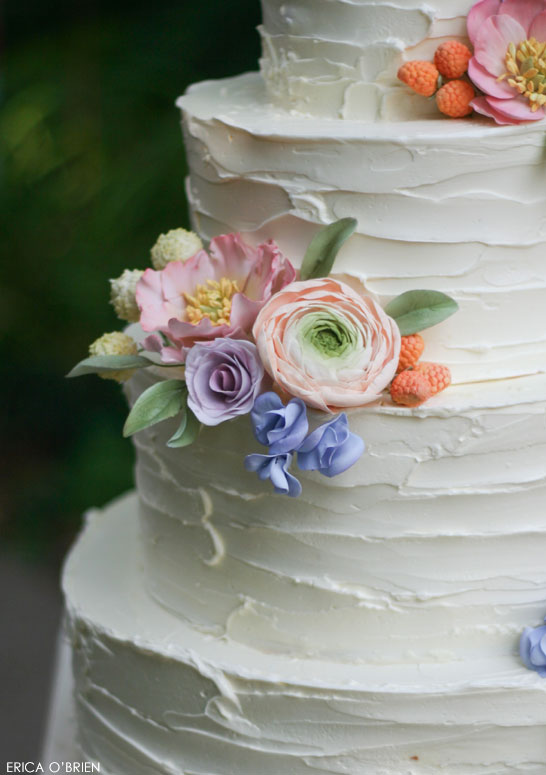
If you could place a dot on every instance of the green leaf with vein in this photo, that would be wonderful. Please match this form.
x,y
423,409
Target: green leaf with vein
x,y
321,253
97,363
159,402
416,310
187,430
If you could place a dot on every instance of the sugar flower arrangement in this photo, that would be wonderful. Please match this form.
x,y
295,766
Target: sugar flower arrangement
x,y
245,333
505,76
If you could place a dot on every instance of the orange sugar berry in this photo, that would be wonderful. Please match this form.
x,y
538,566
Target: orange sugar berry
x,y
411,349
422,77
410,388
452,59
454,97
438,376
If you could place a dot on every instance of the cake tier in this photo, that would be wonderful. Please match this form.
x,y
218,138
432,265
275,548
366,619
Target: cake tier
x,y
59,743
429,549
456,206
154,695
339,58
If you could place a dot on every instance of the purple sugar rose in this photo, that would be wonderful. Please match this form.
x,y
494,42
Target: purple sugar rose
x,y
275,467
331,448
224,378
532,649
279,427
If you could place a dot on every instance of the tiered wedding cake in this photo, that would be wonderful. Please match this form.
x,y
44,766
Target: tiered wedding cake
x,y
370,626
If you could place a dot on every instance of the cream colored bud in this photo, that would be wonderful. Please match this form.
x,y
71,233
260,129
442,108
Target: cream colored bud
x,y
176,245
122,295
114,343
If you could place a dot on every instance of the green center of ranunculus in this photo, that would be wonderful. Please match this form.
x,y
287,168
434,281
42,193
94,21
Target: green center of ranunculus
x,y
331,335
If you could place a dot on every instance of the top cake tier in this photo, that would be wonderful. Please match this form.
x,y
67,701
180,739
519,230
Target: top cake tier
x,y
339,58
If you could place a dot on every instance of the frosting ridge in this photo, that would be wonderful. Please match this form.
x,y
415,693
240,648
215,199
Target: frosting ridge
x,y
339,58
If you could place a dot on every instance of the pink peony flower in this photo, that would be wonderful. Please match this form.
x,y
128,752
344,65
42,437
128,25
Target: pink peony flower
x,y
324,342
210,296
508,38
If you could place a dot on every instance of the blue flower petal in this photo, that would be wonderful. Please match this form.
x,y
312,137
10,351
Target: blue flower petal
x,y
331,448
275,467
281,428
532,649
261,421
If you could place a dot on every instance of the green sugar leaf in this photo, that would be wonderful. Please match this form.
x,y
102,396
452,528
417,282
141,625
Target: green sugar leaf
x,y
187,431
159,402
321,253
416,310
98,363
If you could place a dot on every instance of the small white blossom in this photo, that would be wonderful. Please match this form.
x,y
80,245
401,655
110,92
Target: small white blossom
x,y
122,295
176,245
114,343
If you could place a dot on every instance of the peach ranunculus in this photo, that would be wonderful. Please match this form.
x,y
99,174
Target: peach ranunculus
x,y
211,295
509,39
324,342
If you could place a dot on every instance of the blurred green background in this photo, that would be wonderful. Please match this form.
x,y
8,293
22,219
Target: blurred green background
x,y
92,169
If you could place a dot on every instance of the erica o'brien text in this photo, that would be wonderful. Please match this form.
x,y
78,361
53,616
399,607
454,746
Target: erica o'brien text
x,y
53,767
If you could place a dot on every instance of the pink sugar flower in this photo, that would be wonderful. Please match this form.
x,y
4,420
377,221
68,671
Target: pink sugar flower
x,y
509,38
211,295
326,343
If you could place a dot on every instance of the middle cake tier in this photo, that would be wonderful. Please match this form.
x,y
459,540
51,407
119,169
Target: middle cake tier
x,y
454,206
429,549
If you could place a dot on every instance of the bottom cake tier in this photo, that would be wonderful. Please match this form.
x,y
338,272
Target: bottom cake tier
x,y
153,695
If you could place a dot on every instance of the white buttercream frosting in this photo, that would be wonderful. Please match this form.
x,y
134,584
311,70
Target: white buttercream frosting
x,y
456,206
155,695
429,549
339,58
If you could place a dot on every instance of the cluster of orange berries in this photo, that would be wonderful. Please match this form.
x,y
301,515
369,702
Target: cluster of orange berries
x,y
416,382
451,59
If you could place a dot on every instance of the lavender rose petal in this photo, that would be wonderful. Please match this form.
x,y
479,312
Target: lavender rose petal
x,y
224,378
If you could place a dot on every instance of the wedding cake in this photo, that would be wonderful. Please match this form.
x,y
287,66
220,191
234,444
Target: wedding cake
x,y
373,624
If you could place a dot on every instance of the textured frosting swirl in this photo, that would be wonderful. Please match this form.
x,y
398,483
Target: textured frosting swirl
x,y
429,549
339,58
154,695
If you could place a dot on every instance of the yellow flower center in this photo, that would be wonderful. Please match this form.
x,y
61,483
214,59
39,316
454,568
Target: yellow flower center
x,y
526,71
212,301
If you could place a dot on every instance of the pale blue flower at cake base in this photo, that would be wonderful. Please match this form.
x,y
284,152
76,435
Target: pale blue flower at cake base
x,y
331,448
532,649
275,468
279,427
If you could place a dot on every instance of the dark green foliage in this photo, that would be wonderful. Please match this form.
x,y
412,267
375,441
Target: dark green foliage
x,y
92,169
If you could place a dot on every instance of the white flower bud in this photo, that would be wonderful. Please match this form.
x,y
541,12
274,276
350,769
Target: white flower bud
x,y
176,245
122,295
115,343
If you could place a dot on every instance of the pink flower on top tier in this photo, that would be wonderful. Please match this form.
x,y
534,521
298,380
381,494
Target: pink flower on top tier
x,y
509,39
326,343
211,295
